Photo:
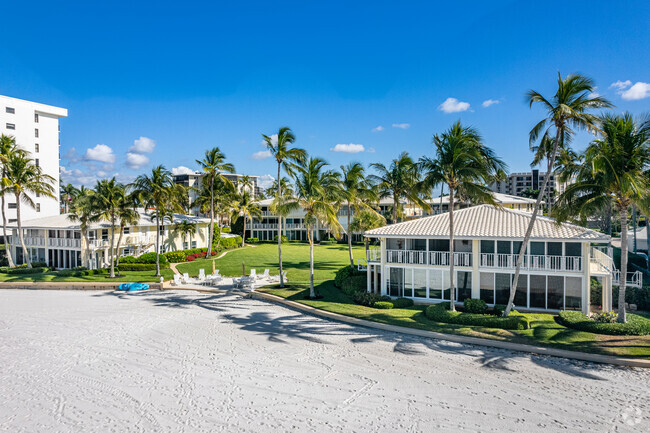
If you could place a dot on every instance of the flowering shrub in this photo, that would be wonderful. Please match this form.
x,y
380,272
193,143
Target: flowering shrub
x,y
604,317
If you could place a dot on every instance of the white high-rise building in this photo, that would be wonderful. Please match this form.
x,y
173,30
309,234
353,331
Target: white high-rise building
x,y
36,129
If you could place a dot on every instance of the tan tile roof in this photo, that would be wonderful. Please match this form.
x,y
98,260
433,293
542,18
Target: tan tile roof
x,y
486,221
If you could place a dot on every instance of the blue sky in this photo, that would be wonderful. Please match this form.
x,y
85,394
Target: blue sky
x,y
192,75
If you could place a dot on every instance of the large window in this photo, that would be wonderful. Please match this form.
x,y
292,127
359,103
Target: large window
x,y
463,285
501,288
573,293
554,289
521,295
537,289
395,281
487,287
420,283
435,284
408,283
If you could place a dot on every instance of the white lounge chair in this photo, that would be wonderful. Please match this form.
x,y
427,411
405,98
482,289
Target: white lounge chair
x,y
201,274
177,280
253,274
186,278
265,274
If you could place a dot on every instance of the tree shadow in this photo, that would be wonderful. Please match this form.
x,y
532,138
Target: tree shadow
x,y
219,302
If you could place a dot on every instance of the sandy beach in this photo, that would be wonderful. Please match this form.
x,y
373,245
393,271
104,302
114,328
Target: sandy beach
x,y
193,362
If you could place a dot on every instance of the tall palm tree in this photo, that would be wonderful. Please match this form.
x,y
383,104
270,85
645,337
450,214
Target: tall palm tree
x,y
128,216
159,192
7,148
367,220
68,193
246,207
465,165
83,210
316,192
185,228
401,180
357,194
288,158
109,196
278,205
213,164
570,108
615,171
222,194
543,151
22,178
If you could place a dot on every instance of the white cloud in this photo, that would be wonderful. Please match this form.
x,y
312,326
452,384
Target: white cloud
x,y
594,94
620,85
181,169
101,153
143,145
274,140
639,90
136,161
401,125
348,148
265,181
453,105
489,102
370,150
378,129
262,154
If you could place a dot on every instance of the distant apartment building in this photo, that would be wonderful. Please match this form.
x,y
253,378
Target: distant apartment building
x,y
518,183
36,130
194,180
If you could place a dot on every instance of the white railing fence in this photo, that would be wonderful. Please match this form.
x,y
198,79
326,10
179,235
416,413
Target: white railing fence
x,y
633,279
531,262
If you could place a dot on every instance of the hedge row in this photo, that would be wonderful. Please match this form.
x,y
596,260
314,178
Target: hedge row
x,y
142,266
146,258
25,270
636,325
345,273
441,313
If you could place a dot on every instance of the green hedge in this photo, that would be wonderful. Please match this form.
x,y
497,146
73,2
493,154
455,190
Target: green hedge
x,y
475,306
383,305
634,295
330,242
351,285
636,325
345,273
402,302
142,266
253,240
19,271
146,258
369,299
175,256
229,243
441,313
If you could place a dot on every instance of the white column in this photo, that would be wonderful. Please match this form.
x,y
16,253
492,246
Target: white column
x,y
586,279
382,261
369,276
476,286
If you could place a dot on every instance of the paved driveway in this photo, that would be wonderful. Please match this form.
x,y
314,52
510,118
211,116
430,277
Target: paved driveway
x,y
189,362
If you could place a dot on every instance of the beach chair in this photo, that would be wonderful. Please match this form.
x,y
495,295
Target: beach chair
x,y
201,274
177,280
253,274
265,274
186,278
284,276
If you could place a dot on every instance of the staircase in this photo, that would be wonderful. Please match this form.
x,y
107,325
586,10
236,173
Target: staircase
x,y
603,263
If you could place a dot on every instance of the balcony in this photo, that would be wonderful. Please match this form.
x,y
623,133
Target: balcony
x,y
64,243
531,262
432,258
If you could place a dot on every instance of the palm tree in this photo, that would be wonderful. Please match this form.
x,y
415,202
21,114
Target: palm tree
x,y
213,164
109,196
185,228
159,192
465,165
615,171
222,195
68,193
357,195
400,180
22,178
316,192
7,148
83,210
367,220
569,109
288,158
128,216
246,207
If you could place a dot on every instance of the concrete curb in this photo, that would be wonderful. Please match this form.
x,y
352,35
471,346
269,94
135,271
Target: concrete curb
x,y
537,350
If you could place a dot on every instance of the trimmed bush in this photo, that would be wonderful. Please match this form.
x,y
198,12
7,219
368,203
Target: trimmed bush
x,y
499,309
386,298
225,230
253,240
20,271
634,295
330,242
381,305
142,266
441,313
367,299
175,256
39,265
283,239
128,259
636,325
402,303
351,285
475,306
347,272
149,258
229,243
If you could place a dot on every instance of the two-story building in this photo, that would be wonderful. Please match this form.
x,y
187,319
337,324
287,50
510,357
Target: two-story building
x,y
413,260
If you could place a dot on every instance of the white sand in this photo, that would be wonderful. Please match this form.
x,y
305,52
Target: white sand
x,y
189,362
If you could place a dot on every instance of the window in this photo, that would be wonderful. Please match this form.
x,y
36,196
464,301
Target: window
x,y
36,117
127,230
537,294
11,126
36,132
12,220
555,289
38,207
104,234
435,284
37,148
521,294
408,283
193,244
573,293
37,162
463,285
10,110
501,288
396,281
11,205
487,287
420,283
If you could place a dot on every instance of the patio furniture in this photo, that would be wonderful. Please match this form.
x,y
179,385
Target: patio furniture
x,y
201,274
266,273
177,280
253,275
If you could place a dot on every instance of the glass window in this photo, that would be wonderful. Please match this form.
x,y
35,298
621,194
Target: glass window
x,y
37,148
554,248
105,234
464,285
573,300
521,295
573,249
487,287
537,286
504,247
10,110
555,292
408,283
10,126
463,246
446,284
516,246
419,244
487,247
537,248
36,133
36,117
396,281
420,283
127,230
435,284
501,288
439,245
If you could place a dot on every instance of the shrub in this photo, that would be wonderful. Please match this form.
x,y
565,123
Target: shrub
x,y
67,273
229,243
19,271
381,305
175,256
142,266
344,273
253,240
499,309
328,242
634,295
282,240
39,265
475,306
225,230
128,259
385,298
149,258
441,313
402,303
636,325
367,299
604,317
351,285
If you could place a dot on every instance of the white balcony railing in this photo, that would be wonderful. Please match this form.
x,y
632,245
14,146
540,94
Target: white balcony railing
x,y
64,242
374,255
433,258
602,260
634,279
410,257
531,262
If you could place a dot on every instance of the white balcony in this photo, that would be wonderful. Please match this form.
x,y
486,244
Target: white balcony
x,y
633,279
532,262
432,258
64,243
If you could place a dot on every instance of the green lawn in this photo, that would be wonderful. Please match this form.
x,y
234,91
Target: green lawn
x,y
295,261
126,276
545,331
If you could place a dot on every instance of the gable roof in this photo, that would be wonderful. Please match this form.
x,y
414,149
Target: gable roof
x,y
486,221
498,197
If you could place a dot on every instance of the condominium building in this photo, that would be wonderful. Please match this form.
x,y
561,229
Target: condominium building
x,y
36,130
193,181
518,183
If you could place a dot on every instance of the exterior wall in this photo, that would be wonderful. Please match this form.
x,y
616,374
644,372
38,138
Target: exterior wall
x,y
517,183
47,151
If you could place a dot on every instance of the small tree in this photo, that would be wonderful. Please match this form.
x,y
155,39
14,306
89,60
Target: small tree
x,y
83,210
128,216
109,196
185,228
246,207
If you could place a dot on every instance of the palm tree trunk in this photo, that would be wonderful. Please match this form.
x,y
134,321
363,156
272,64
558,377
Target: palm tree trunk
x,y
312,293
548,193
10,260
442,188
452,304
350,238
210,235
622,280
529,229
395,204
158,244
20,233
112,253
280,228
117,249
243,236
84,233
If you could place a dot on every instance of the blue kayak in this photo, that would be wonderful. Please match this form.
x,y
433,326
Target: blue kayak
x,y
133,287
